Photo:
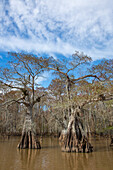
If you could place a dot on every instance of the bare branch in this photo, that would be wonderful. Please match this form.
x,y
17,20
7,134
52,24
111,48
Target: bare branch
x,y
86,76
75,66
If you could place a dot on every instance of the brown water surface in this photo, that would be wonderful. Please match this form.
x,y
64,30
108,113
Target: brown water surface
x,y
50,156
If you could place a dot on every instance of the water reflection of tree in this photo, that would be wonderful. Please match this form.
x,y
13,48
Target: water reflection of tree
x,y
78,161
92,161
28,158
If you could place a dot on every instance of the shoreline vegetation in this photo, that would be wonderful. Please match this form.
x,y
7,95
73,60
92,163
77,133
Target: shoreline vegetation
x,y
107,133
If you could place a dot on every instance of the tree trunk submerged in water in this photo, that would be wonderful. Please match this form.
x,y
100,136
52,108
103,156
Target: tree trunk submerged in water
x,y
29,139
74,139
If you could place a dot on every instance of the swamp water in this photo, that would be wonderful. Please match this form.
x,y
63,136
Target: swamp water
x,y
50,156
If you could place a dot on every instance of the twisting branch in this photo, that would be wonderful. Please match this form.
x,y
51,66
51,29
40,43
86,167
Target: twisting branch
x,y
12,101
13,87
86,76
99,98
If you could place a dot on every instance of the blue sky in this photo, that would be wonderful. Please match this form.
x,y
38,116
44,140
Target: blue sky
x,y
57,27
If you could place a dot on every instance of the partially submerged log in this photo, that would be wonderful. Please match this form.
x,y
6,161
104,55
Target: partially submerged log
x,y
28,139
73,139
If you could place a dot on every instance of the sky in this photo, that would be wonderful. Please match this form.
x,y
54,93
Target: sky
x,y
56,27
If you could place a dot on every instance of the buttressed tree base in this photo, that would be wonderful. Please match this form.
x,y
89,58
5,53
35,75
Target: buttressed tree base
x,y
74,139
28,138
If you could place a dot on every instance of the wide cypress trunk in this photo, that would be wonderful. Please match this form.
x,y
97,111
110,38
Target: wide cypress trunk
x,y
28,138
74,139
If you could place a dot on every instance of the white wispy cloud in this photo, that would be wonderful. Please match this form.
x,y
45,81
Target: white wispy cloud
x,y
45,77
57,26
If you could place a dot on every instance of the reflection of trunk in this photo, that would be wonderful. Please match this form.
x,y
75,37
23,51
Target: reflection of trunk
x,y
28,139
74,139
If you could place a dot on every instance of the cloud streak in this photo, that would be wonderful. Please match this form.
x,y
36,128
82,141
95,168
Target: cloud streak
x,y
57,26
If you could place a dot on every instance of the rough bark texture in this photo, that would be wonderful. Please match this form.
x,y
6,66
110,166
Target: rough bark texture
x,y
28,139
73,139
